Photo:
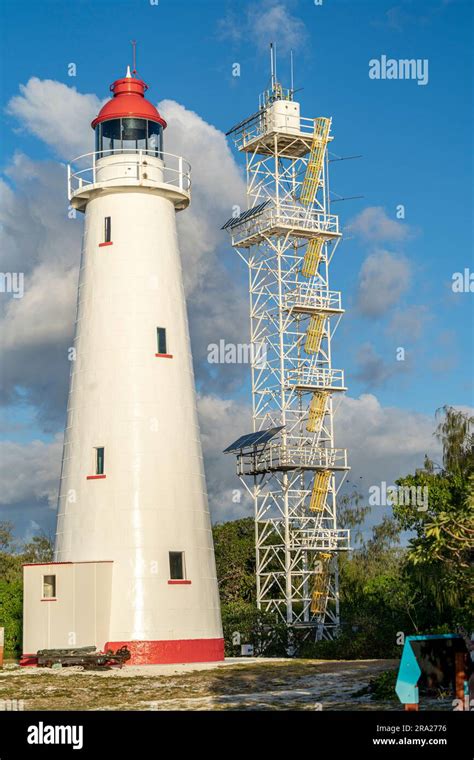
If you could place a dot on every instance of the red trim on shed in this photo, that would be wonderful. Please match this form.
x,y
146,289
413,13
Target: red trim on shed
x,y
80,562
96,477
110,242
164,356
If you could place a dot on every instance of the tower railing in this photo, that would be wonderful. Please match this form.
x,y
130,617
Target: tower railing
x,y
131,165
278,456
306,296
320,539
280,216
259,128
316,377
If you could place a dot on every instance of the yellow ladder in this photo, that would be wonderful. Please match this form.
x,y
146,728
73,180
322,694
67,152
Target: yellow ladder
x,y
317,409
319,492
310,184
312,257
314,333
320,585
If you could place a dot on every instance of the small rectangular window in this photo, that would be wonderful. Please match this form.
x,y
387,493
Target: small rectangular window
x,y
177,566
161,339
107,229
99,461
49,586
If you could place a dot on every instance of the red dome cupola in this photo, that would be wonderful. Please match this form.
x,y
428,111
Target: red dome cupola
x,y
128,101
128,122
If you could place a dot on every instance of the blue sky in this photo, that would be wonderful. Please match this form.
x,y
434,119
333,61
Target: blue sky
x,y
416,147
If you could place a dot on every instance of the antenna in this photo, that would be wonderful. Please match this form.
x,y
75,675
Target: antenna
x,y
272,65
292,78
134,48
342,158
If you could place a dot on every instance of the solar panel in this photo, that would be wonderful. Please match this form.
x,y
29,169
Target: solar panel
x,y
234,220
246,121
253,439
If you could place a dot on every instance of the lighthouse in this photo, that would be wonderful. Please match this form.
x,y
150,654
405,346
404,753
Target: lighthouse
x,y
134,558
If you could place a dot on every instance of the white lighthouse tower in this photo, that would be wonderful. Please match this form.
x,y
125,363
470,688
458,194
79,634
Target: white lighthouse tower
x,y
134,558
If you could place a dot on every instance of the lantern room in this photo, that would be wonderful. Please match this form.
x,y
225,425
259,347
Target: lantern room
x,y
129,151
128,122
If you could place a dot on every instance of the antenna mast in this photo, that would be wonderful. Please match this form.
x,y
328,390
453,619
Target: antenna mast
x,y
292,78
134,48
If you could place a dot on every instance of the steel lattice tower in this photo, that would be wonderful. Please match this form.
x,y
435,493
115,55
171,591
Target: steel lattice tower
x,y
293,471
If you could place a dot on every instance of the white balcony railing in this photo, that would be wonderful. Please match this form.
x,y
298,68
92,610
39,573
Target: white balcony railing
x,y
131,166
260,127
319,539
277,456
316,377
289,216
307,296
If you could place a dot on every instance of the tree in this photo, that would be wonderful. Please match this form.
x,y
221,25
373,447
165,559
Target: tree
x,y
454,431
439,556
234,545
39,549
13,554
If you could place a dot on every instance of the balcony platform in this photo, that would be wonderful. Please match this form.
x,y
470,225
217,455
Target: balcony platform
x,y
287,141
112,171
282,219
318,539
307,299
278,457
316,378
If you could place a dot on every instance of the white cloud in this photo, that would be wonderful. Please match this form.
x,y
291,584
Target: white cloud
x,y
222,421
383,443
264,22
383,278
44,315
217,185
409,322
56,114
30,471
372,369
42,242
375,226
273,22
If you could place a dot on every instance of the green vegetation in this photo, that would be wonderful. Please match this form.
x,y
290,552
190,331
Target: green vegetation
x,y
382,687
12,557
386,590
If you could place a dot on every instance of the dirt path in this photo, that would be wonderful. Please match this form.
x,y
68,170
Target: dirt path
x,y
251,685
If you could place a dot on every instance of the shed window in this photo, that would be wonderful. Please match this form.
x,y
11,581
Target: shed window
x,y
177,566
49,586
161,340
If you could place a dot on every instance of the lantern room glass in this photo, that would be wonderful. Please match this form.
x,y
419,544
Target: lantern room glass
x,y
128,135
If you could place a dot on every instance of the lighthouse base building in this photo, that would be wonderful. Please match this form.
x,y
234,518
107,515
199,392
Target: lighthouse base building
x,y
134,558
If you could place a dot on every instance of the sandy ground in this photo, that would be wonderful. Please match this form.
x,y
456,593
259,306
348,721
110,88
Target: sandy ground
x,y
236,684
